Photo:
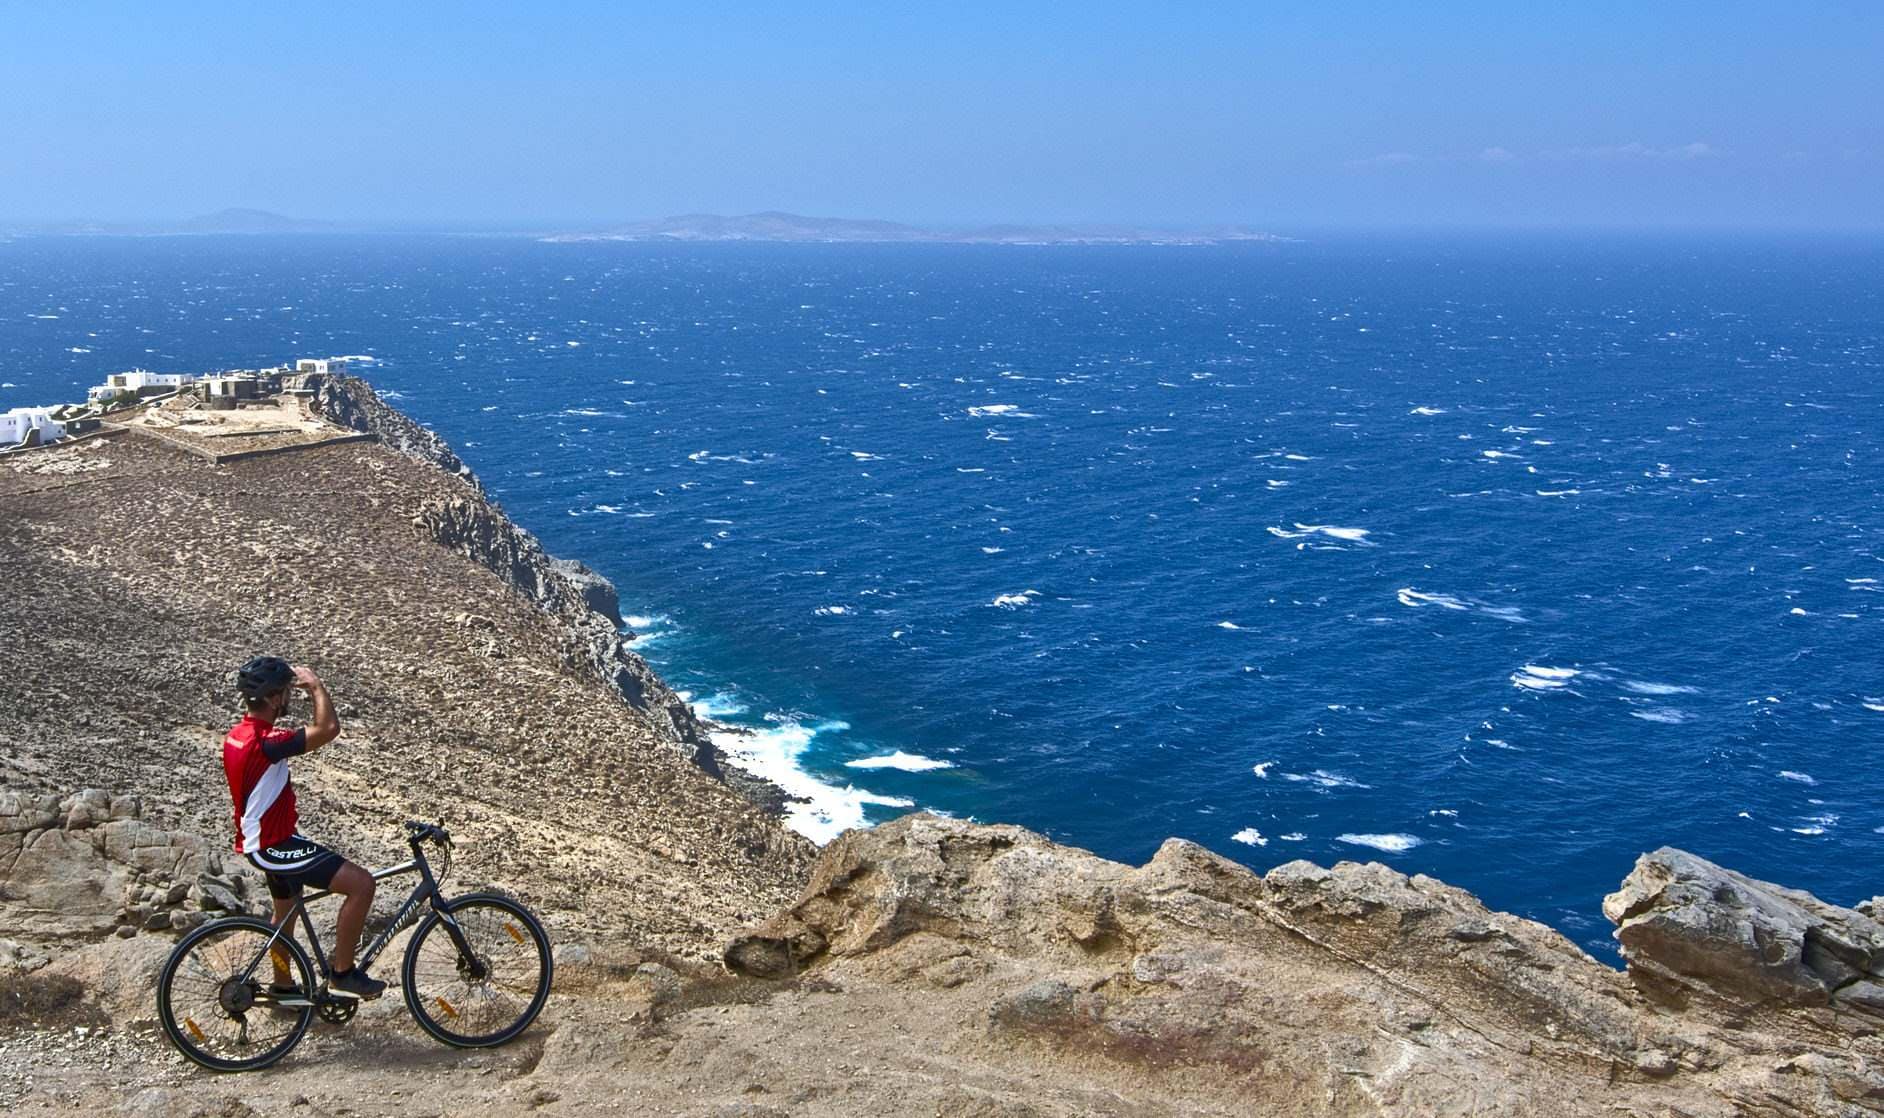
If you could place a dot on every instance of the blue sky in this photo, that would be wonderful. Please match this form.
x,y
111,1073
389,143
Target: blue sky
x,y
1280,116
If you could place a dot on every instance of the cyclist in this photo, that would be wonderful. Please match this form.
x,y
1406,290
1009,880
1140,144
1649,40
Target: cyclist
x,y
255,757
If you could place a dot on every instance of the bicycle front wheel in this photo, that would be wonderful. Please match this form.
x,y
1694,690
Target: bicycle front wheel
x,y
477,973
214,998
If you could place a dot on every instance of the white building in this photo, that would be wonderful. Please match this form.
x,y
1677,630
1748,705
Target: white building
x,y
323,365
139,382
16,425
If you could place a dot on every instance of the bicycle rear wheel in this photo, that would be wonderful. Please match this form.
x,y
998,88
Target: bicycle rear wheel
x,y
213,999
486,985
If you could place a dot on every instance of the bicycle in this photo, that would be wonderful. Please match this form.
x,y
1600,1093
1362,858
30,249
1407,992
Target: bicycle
x,y
476,972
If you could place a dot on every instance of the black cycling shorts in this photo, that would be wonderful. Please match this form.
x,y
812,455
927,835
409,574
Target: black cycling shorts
x,y
293,863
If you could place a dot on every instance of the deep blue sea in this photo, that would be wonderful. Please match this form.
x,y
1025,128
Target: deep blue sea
x,y
1502,559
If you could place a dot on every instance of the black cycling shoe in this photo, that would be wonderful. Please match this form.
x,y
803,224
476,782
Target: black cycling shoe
x,y
355,984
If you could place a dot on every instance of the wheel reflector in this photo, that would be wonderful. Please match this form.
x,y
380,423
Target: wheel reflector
x,y
447,1007
190,1024
514,933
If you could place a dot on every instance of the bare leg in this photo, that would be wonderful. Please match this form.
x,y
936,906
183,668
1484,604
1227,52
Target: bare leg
x,y
357,886
283,977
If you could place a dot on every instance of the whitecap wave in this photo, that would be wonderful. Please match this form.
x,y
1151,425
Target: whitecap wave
x,y
832,611
1322,778
1795,777
1411,597
1666,715
985,410
1250,836
1392,844
1531,677
1015,601
904,762
1641,687
1427,411
1350,535
1230,625
1262,769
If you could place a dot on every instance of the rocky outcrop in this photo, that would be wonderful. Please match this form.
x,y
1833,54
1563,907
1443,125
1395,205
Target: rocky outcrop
x,y
90,865
583,601
352,403
1352,989
1688,926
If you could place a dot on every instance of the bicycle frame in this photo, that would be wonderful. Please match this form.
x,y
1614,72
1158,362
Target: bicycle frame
x,y
426,890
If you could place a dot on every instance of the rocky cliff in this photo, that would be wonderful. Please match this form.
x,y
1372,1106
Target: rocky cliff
x,y
938,967
710,962
137,577
583,601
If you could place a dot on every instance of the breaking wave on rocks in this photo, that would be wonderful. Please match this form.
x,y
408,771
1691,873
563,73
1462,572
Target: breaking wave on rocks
x,y
817,810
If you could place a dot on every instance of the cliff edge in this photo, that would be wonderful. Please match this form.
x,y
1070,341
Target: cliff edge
x,y
710,961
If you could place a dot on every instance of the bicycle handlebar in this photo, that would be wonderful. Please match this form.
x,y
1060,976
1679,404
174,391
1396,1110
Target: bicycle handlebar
x,y
417,832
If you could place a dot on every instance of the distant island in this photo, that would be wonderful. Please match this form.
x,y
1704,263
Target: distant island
x,y
775,226
770,226
235,220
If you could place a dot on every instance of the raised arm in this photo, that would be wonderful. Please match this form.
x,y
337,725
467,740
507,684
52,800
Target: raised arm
x,y
325,725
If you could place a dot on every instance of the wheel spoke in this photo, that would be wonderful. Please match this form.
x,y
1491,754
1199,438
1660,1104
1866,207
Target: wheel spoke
x,y
464,1010
226,1034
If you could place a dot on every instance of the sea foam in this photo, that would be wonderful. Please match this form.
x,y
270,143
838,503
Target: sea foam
x,y
1351,535
1531,677
1392,844
817,810
906,762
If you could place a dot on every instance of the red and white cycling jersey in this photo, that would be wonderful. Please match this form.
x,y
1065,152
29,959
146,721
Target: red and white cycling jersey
x,y
255,758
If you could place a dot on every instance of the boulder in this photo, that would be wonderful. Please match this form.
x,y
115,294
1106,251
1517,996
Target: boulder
x,y
86,809
1192,957
59,886
1687,925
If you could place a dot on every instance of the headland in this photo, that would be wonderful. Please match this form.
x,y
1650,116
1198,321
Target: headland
x,y
712,961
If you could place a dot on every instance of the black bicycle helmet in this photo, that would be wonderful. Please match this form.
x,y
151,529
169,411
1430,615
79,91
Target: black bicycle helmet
x,y
263,676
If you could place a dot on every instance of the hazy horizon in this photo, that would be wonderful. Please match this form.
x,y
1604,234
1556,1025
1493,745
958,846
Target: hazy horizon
x,y
1722,116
